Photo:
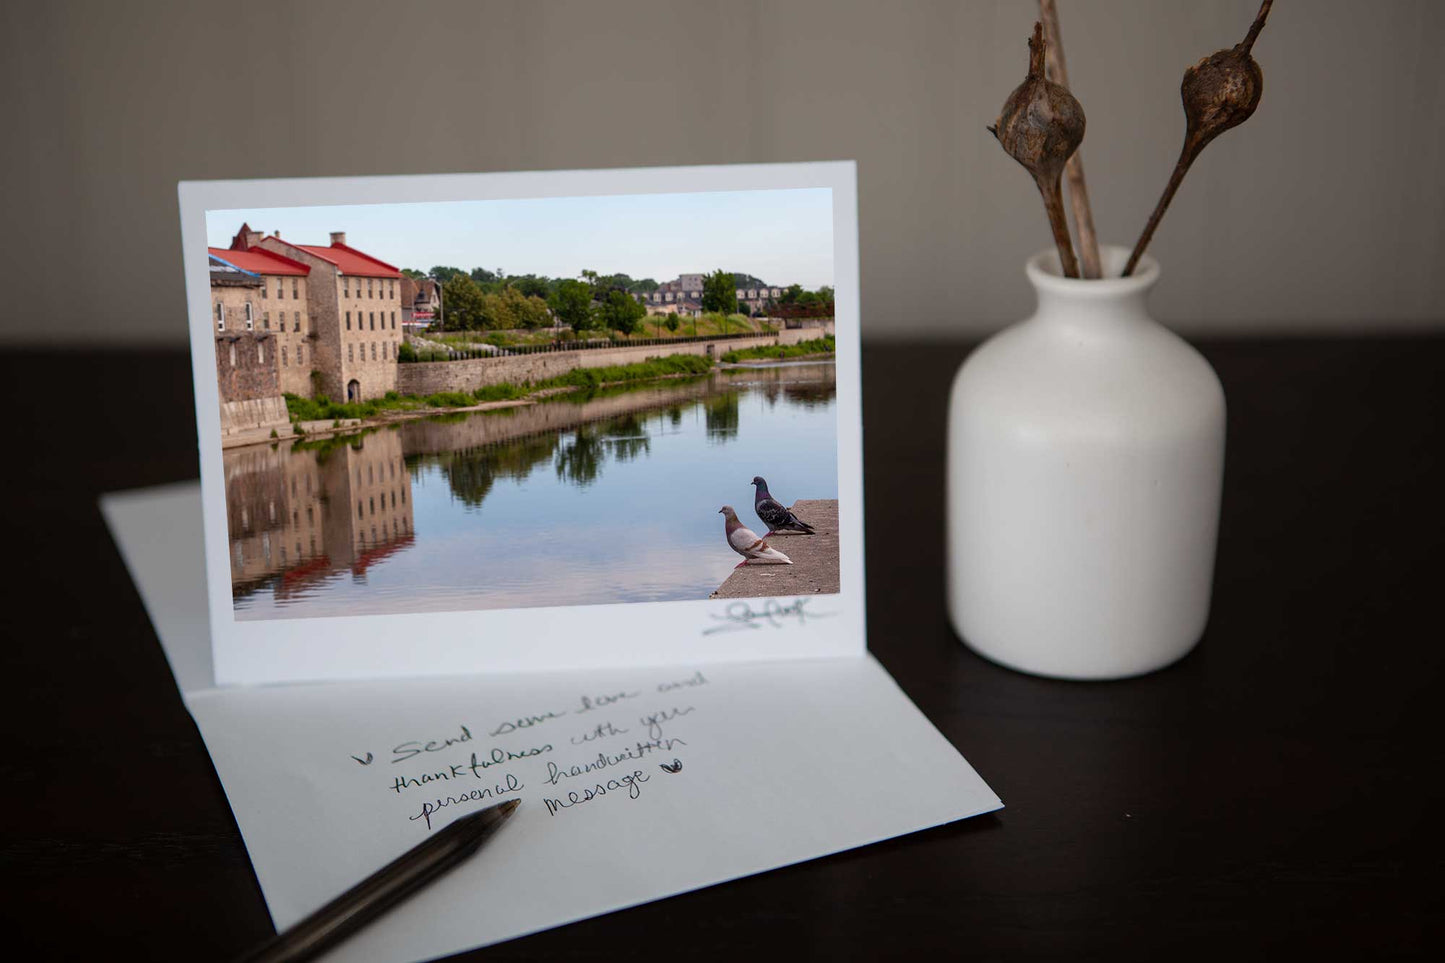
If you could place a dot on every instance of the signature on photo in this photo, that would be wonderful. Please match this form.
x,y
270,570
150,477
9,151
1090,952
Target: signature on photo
x,y
770,612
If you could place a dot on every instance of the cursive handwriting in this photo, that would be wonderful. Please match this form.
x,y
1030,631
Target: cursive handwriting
x,y
695,679
406,750
740,615
428,809
556,773
525,722
654,721
459,770
603,731
597,702
631,782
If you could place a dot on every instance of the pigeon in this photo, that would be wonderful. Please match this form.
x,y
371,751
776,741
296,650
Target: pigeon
x,y
774,515
746,543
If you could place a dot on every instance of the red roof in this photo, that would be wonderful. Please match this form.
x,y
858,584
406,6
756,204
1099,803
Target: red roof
x,y
352,261
258,260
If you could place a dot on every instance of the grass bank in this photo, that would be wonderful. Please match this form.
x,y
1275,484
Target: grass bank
x,y
322,408
775,352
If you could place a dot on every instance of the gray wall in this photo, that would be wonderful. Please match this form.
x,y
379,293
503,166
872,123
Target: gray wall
x,y
1324,212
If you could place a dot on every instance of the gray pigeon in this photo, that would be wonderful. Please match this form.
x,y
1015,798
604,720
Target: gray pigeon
x,y
774,515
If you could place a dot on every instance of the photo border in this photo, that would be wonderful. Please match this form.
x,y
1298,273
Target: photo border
x,y
542,638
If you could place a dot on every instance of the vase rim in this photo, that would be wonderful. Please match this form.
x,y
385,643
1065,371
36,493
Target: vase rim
x,y
1044,273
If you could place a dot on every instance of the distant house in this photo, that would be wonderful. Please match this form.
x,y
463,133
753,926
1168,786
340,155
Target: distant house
x,y
684,295
420,299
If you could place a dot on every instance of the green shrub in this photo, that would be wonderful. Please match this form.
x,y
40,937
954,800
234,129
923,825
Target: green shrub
x,y
449,399
405,353
501,392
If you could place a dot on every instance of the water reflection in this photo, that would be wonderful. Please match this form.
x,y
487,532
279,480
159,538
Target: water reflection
x,y
462,511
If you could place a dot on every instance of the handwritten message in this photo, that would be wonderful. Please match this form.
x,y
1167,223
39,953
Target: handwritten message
x,y
600,746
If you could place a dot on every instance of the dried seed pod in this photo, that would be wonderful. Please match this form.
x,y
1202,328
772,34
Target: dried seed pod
x,y
1219,92
1040,126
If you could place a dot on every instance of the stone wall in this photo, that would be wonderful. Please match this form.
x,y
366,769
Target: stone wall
x,y
430,377
253,420
246,365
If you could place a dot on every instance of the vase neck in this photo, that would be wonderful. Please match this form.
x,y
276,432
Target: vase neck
x,y
1099,310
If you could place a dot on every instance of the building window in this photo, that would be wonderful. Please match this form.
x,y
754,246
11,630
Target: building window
x,y
373,320
264,293
266,319
250,320
296,324
280,291
295,286
348,320
346,287
300,354
393,320
373,351
368,288
284,361
349,355
220,316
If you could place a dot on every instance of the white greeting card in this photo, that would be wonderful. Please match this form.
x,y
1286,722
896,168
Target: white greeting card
x,y
542,486
488,422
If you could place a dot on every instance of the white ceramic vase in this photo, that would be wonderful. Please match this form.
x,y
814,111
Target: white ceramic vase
x,y
1085,459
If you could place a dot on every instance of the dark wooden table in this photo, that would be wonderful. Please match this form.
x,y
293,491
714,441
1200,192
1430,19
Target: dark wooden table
x,y
1278,790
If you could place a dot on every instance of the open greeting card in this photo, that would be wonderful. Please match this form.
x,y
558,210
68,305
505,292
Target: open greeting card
x,y
542,486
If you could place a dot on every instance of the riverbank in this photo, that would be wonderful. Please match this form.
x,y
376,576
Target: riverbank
x,y
815,558
796,349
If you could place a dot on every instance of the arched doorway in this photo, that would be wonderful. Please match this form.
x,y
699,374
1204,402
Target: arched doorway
x,y
353,390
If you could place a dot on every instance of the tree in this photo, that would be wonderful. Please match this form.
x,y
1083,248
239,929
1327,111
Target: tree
x,y
825,294
718,293
531,285
497,313
445,274
645,286
483,276
465,302
571,302
526,311
413,273
620,311
671,321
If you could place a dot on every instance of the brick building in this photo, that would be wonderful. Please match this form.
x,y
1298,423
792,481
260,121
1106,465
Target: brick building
x,y
280,309
353,302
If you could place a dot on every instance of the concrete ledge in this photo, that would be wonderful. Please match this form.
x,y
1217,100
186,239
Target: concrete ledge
x,y
815,557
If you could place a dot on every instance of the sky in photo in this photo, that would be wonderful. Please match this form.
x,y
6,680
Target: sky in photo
x,y
779,236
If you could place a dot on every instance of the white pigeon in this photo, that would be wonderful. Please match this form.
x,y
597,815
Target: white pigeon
x,y
746,543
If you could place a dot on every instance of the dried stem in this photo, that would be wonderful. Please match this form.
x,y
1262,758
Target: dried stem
x,y
1219,92
1054,205
1074,170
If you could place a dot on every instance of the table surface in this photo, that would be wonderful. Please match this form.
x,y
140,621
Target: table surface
x,y
1276,789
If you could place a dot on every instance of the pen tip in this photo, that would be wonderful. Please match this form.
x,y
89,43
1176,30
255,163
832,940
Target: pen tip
x,y
506,808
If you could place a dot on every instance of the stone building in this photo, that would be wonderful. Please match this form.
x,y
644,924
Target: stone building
x,y
281,310
354,303
246,371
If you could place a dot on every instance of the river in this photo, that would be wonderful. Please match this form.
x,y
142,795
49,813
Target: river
x,y
608,497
